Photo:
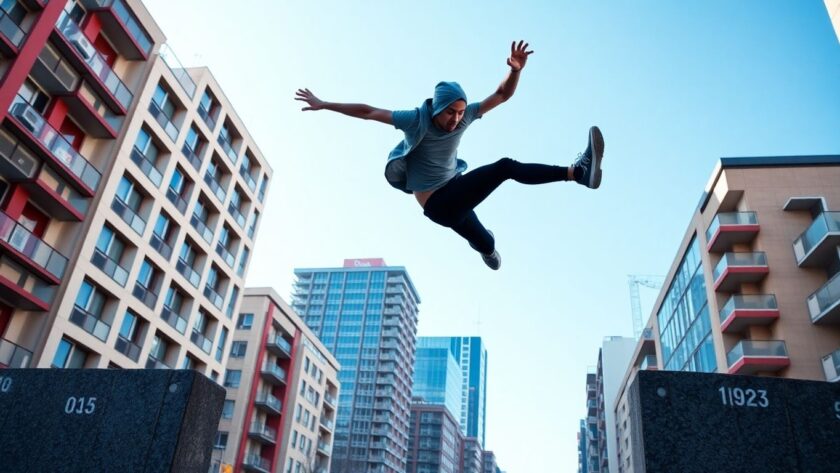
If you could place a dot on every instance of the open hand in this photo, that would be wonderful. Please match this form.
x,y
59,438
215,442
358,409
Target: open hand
x,y
518,55
305,95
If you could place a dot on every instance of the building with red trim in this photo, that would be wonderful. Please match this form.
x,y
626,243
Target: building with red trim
x,y
130,193
755,285
282,390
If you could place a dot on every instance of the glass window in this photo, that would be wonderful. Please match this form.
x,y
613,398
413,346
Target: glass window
x,y
245,321
227,409
162,226
129,324
62,354
232,378
238,349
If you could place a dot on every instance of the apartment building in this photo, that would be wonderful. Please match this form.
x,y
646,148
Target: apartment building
x,y
472,456
282,390
755,286
435,439
131,194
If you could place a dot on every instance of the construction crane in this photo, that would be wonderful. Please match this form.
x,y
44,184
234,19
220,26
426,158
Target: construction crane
x,y
634,281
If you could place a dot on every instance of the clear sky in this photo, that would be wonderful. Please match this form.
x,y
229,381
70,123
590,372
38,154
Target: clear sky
x,y
673,85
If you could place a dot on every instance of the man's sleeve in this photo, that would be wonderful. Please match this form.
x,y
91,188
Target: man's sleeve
x,y
405,119
471,113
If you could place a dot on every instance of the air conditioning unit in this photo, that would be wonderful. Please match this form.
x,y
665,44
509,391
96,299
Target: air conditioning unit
x,y
28,117
78,40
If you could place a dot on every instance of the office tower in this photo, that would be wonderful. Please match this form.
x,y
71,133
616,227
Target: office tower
x,y
282,387
472,357
365,313
435,440
437,378
130,194
754,287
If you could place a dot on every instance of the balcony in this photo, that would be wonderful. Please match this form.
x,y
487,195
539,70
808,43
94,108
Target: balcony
x,y
824,305
649,363
90,323
23,290
91,113
269,403
731,228
161,246
122,28
11,35
744,310
191,156
754,356
830,362
201,341
735,269
329,401
174,319
225,254
323,448
254,462
327,424
13,355
78,49
188,272
145,295
128,215
817,246
128,348
155,364
273,374
51,193
237,215
109,267
201,228
164,121
179,202
54,73
208,119
147,166
262,433
248,179
217,189
24,247
227,147
592,407
213,297
279,347
177,69
51,145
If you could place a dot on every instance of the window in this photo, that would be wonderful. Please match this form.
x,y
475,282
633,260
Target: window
x,y
33,95
245,321
161,229
220,349
129,326
146,278
129,195
90,299
232,378
161,99
294,438
146,146
221,440
227,409
177,183
159,348
192,142
243,260
68,355
238,349
109,244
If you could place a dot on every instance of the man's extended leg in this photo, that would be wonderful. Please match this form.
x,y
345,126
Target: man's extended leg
x,y
480,239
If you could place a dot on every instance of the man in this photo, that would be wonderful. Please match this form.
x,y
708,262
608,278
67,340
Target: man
x,y
426,162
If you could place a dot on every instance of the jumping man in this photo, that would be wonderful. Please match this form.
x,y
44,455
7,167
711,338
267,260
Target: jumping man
x,y
426,162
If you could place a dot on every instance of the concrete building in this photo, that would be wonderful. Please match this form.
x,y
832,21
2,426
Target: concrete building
x,y
471,355
488,460
754,288
130,194
472,456
435,440
833,7
282,389
366,315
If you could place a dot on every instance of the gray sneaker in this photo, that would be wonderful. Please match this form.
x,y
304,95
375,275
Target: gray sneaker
x,y
590,160
494,259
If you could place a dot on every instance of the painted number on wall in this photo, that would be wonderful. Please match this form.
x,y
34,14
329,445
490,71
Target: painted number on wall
x,y
744,397
80,405
837,409
5,384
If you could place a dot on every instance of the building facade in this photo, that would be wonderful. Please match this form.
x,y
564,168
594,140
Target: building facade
x,y
488,460
833,7
282,390
755,286
435,440
365,313
130,194
437,378
472,456
471,355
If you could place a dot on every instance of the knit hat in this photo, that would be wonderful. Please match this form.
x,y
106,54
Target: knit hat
x,y
446,93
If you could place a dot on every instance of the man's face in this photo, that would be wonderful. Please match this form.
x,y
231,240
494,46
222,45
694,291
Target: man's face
x,y
449,119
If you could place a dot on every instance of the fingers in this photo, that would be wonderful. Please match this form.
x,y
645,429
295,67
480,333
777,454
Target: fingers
x,y
520,48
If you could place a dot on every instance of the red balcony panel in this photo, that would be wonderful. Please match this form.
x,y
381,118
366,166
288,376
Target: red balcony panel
x,y
751,365
122,28
754,356
728,235
732,278
740,319
86,115
15,296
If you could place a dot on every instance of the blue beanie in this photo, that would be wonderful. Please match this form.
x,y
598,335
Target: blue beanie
x,y
446,93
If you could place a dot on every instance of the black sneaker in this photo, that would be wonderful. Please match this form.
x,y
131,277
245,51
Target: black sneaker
x,y
590,160
492,260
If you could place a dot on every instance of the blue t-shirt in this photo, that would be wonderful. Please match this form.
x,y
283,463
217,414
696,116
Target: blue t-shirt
x,y
429,155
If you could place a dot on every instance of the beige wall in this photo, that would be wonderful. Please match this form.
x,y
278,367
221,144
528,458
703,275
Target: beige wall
x,y
833,7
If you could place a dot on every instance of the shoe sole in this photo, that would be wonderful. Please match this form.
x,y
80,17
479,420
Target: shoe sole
x,y
597,140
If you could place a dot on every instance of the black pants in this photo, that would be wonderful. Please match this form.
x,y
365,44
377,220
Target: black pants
x,y
452,205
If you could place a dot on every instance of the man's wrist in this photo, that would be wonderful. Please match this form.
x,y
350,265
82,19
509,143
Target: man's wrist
x,y
515,70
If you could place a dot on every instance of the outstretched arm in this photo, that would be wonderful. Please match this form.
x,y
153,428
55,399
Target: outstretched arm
x,y
516,61
357,110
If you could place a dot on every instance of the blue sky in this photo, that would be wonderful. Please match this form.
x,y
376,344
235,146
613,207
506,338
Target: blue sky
x,y
673,85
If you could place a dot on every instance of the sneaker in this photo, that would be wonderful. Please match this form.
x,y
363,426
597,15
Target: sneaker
x,y
590,160
492,260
